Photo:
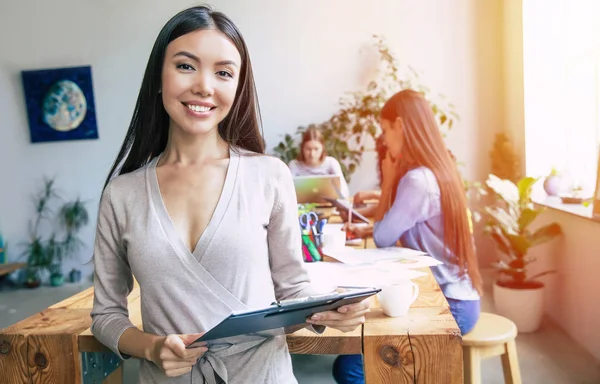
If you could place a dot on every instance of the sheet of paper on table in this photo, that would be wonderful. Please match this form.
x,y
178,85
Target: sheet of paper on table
x,y
396,256
325,276
338,227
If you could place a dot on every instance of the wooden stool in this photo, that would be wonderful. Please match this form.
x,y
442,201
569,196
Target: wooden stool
x,y
493,335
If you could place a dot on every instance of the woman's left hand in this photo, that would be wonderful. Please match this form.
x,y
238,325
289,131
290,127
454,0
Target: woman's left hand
x,y
346,318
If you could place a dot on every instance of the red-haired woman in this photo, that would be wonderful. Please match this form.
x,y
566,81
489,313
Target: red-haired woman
x,y
423,204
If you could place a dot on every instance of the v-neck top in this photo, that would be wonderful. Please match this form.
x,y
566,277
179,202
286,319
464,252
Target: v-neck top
x,y
248,256
165,219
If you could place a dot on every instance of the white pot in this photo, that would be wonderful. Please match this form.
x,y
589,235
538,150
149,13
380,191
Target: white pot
x,y
523,306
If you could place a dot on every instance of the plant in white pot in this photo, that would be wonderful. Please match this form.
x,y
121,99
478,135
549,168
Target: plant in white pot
x,y
517,294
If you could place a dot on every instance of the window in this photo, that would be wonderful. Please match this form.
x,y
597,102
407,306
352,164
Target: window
x,y
561,63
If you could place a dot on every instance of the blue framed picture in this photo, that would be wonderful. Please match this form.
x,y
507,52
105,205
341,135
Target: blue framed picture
x,y
60,104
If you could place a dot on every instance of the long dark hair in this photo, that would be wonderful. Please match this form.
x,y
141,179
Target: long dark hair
x,y
149,128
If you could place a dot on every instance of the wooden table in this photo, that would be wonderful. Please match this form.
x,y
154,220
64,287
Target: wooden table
x,y
56,345
425,346
5,269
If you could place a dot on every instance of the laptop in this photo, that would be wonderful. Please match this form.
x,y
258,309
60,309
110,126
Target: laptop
x,y
316,188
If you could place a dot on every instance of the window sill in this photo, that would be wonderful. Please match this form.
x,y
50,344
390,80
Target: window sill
x,y
555,203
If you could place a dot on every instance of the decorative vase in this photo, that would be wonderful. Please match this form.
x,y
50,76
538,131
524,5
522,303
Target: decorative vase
x,y
57,279
75,275
2,251
552,185
32,283
525,307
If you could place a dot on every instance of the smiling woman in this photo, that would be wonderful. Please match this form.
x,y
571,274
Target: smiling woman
x,y
197,52
203,220
198,87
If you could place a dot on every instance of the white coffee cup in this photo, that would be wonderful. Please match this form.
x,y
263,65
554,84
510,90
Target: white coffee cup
x,y
395,299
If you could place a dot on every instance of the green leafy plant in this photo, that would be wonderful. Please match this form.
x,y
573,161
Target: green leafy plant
x,y
509,222
47,254
357,119
288,149
72,216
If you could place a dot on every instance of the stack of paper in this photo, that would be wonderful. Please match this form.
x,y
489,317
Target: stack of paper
x,y
327,276
397,256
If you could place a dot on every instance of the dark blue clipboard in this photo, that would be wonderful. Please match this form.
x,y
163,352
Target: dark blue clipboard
x,y
283,314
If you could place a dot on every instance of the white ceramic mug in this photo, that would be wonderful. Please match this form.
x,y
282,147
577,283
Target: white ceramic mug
x,y
395,299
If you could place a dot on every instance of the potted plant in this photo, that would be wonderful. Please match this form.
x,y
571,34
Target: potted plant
x,y
47,255
517,294
72,216
57,278
38,258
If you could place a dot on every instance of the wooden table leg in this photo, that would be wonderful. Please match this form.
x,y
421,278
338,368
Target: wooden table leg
x,y
53,359
413,359
13,359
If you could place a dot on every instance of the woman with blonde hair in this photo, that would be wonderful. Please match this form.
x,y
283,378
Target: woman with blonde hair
x,y
423,205
313,160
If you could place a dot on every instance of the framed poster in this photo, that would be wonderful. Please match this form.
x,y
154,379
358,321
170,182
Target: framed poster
x,y
60,104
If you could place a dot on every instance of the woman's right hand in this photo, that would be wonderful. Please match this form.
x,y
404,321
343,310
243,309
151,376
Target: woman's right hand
x,y
169,353
360,232
361,196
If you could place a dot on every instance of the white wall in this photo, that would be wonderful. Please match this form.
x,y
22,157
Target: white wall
x,y
572,293
571,297
305,55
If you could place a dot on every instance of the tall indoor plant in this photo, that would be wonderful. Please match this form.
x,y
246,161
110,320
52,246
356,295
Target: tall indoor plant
x,y
518,295
46,254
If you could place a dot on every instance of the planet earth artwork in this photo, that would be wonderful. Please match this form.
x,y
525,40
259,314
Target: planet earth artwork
x,y
60,104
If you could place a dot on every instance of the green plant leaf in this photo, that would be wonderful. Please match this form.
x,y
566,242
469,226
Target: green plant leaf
x,y
524,186
527,216
504,189
501,241
545,234
500,265
503,219
519,244
513,273
538,275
